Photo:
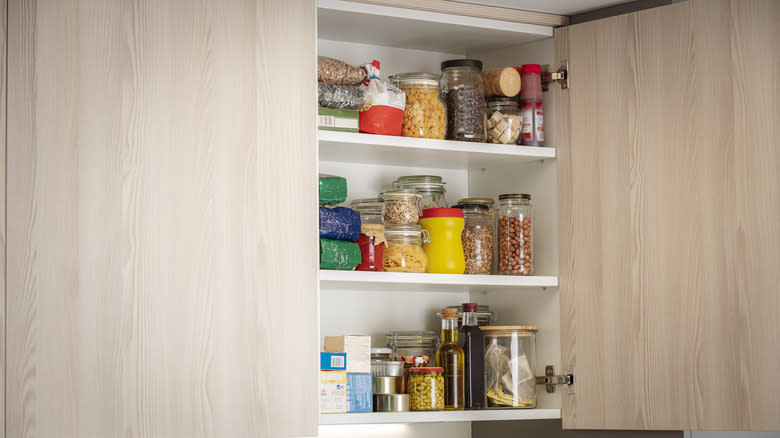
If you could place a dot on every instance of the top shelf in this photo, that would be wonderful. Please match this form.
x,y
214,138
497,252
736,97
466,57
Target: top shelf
x,y
340,20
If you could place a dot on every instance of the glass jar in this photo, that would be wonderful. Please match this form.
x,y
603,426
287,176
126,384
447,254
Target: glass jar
x,y
477,239
485,316
490,204
401,207
415,349
503,121
424,115
430,187
510,366
464,93
404,251
426,389
372,234
515,235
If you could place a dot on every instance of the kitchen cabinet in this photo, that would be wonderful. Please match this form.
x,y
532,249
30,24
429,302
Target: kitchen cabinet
x,y
162,246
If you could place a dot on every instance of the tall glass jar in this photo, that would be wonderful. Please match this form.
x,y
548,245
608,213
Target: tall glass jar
x,y
464,92
490,204
429,187
404,251
515,235
402,206
477,238
510,366
372,233
424,115
504,121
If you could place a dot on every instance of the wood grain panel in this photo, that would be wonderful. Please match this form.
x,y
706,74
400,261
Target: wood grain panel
x,y
3,130
473,10
669,212
161,175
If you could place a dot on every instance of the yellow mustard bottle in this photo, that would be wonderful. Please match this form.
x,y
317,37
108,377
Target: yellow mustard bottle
x,y
444,249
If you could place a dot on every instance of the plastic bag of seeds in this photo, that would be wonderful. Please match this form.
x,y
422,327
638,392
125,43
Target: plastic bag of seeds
x,y
349,97
333,71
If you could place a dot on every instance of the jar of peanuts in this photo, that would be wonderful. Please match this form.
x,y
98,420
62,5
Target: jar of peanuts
x,y
515,236
424,115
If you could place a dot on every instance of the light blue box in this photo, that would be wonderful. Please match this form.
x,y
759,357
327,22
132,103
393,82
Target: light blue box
x,y
359,393
333,361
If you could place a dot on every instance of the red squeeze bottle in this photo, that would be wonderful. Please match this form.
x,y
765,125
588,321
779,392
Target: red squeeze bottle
x,y
532,129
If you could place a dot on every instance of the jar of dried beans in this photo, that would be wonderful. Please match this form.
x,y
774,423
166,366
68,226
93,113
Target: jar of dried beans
x,y
515,235
464,92
424,115
477,238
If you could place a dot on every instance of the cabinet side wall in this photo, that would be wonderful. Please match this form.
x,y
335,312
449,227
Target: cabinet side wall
x,y
162,184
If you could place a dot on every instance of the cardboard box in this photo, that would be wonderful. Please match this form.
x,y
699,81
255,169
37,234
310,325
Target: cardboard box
x,y
333,392
359,393
333,361
357,347
338,120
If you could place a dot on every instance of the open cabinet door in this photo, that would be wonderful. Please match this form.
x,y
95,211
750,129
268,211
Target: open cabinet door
x,y
669,206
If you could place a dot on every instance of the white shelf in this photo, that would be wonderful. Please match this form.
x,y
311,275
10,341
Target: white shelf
x,y
430,282
441,416
424,152
421,30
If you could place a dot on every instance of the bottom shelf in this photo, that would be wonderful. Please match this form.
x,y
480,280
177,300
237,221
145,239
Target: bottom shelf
x,y
441,416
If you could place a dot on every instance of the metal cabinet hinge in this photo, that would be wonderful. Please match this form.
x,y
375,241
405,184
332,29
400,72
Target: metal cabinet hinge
x,y
550,379
561,76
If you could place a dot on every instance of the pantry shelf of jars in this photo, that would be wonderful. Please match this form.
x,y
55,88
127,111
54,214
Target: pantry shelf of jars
x,y
436,158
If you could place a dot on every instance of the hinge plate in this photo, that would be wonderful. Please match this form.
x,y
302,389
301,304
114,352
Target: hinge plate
x,y
561,76
550,380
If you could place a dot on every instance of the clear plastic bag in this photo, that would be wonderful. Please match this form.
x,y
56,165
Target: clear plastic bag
x,y
338,72
349,97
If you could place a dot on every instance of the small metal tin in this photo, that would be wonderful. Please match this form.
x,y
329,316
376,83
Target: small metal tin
x,y
385,384
391,402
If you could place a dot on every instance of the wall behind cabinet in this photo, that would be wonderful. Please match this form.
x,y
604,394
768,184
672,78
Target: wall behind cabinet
x,y
159,284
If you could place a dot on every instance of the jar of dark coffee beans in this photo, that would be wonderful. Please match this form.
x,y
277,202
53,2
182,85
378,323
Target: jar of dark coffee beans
x,y
464,92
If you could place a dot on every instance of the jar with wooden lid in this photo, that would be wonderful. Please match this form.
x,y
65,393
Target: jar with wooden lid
x,y
425,113
510,366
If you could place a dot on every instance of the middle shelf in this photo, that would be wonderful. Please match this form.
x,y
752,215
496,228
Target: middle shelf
x,y
431,282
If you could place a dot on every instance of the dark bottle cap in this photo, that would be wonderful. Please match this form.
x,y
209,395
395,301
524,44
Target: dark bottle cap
x,y
461,63
470,307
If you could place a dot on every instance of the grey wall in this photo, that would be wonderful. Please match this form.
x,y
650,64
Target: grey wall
x,y
552,429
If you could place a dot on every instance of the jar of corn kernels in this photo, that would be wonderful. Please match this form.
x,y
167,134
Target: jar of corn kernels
x,y
424,115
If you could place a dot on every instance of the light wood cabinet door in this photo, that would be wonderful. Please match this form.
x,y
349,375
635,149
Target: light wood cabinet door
x,y
669,206
162,260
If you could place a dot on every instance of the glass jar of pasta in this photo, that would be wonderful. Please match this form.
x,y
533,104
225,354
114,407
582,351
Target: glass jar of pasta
x,y
424,115
404,251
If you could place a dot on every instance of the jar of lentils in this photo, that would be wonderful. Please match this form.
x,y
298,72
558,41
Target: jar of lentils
x,y
424,115
430,187
401,206
426,389
515,235
490,204
477,239
464,92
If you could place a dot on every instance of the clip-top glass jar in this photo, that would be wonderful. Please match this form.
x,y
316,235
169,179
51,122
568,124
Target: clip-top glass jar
x,y
424,115
402,206
515,236
477,238
464,92
504,121
510,366
430,187
404,252
415,349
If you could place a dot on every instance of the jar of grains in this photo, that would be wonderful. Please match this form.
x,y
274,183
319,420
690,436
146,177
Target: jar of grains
x,y
426,389
464,92
490,204
424,115
430,187
503,120
404,251
515,237
402,206
477,238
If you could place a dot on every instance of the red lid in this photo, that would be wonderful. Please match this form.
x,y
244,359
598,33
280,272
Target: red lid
x,y
426,370
442,212
469,307
530,69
